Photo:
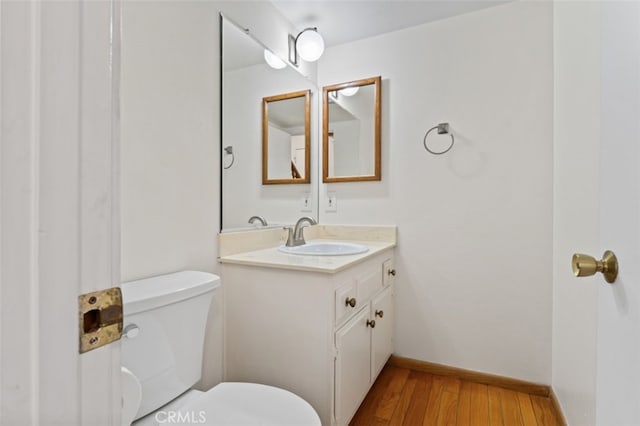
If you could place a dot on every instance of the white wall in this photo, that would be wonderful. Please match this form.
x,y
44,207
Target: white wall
x,y
170,182
475,225
169,168
577,126
170,128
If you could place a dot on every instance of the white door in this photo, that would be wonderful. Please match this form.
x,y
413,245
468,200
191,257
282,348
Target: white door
x,y
58,208
596,325
618,333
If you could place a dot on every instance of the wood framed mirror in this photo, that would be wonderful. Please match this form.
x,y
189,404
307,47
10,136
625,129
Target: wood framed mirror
x,y
286,138
351,146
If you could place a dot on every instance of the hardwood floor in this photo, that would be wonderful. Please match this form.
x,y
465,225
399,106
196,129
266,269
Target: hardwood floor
x,y
407,397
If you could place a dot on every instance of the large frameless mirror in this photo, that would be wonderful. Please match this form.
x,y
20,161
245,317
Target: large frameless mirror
x,y
351,131
247,79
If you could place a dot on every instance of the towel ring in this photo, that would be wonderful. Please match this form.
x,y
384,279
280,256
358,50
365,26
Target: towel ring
x,y
229,150
443,129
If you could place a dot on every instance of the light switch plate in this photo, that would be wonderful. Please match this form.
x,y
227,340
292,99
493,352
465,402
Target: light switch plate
x,y
332,203
306,205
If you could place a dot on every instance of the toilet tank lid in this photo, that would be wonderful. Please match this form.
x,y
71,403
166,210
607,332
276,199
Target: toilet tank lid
x,y
149,293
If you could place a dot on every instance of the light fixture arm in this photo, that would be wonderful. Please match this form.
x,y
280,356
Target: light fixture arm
x,y
306,29
293,53
293,45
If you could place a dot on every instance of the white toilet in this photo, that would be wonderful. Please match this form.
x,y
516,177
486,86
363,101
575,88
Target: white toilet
x,y
163,338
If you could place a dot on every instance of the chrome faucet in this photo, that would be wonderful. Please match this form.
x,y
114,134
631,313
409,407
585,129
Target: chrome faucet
x,y
260,219
296,236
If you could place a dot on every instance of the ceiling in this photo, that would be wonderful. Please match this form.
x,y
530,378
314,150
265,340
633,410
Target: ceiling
x,y
348,20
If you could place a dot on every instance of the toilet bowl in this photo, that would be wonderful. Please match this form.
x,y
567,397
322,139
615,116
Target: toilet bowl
x,y
162,346
231,403
131,395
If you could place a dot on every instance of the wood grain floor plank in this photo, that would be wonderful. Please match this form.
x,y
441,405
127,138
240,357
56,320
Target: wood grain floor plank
x,y
418,404
479,404
391,395
526,409
367,410
543,411
495,407
464,405
510,408
433,405
452,384
408,397
397,419
377,421
448,411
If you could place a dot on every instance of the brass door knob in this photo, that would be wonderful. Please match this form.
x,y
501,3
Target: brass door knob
x,y
351,301
584,265
371,323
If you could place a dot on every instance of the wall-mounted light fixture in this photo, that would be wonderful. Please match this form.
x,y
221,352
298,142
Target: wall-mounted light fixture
x,y
350,91
273,61
308,44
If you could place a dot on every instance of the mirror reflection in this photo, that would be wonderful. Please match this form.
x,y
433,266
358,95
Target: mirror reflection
x,y
247,79
351,131
285,138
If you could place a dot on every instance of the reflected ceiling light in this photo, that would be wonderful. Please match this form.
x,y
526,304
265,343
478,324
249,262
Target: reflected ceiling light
x,y
273,60
308,44
350,91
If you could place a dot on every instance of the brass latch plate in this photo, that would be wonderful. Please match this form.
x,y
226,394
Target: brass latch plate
x,y
100,318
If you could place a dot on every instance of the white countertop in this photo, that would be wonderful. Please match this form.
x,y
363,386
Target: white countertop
x,y
273,258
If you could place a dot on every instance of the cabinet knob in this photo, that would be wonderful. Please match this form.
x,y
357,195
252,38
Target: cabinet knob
x,y
351,301
380,313
391,272
371,323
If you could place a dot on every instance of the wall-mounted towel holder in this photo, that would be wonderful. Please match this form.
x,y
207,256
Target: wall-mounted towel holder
x,y
229,151
443,129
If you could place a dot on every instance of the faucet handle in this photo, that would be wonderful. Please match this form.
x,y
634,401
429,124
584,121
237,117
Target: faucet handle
x,y
260,219
290,238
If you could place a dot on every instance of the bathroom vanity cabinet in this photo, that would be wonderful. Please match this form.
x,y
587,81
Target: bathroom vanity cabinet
x,y
322,335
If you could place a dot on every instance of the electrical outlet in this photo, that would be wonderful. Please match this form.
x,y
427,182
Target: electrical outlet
x,y
332,203
306,205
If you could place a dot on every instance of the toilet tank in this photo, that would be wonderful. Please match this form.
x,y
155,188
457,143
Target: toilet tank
x,y
163,335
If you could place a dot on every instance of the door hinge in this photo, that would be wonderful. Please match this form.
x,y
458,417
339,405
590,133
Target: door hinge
x,y
99,318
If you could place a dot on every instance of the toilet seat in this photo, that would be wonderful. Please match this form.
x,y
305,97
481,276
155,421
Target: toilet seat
x,y
236,404
252,404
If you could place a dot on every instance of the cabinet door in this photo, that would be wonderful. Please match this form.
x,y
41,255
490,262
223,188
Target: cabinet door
x,y
353,375
382,334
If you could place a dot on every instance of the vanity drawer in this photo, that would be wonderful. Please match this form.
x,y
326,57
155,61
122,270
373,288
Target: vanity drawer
x,y
388,272
368,284
345,297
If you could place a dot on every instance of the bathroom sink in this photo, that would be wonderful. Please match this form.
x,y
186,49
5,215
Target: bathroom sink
x,y
325,248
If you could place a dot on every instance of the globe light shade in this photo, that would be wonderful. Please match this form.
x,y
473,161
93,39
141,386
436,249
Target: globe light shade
x,y
349,91
310,45
273,61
